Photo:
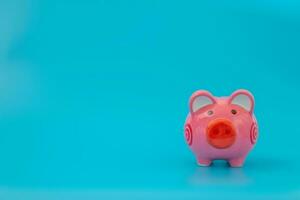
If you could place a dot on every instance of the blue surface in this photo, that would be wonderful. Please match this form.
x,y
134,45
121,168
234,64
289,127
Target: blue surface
x,y
93,97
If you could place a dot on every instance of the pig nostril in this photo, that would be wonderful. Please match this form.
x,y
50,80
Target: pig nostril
x,y
215,132
227,131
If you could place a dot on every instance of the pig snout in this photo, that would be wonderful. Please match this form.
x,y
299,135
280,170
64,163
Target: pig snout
x,y
220,133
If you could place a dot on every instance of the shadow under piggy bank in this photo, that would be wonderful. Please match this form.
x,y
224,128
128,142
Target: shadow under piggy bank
x,y
218,173
267,172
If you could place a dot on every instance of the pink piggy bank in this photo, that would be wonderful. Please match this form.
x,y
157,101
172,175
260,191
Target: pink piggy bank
x,y
221,128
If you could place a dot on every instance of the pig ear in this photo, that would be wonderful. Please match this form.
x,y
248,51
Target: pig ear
x,y
244,99
200,99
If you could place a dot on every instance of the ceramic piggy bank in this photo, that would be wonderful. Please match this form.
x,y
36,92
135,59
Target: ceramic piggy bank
x,y
221,128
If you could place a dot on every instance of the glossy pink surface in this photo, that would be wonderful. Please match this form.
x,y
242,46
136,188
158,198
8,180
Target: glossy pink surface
x,y
221,127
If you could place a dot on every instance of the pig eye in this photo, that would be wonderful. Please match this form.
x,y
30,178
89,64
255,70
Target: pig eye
x,y
233,111
210,112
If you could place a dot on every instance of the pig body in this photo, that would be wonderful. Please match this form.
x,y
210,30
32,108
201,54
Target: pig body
x,y
221,127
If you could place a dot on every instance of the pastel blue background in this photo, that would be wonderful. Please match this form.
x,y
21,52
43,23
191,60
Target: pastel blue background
x,y
94,94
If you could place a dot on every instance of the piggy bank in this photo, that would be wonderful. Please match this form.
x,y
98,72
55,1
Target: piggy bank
x,y
221,128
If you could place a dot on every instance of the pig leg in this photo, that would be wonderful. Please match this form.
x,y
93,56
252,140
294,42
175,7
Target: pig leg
x,y
203,162
237,162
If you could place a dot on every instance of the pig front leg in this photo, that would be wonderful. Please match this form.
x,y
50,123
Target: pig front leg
x,y
237,162
203,162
